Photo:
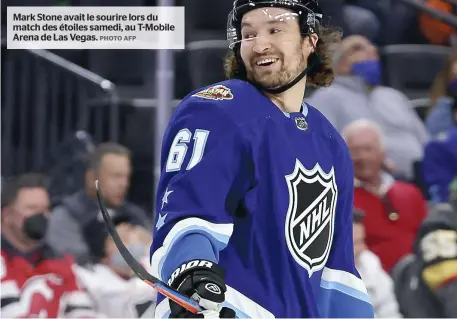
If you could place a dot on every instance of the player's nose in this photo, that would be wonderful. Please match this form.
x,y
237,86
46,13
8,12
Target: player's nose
x,y
261,44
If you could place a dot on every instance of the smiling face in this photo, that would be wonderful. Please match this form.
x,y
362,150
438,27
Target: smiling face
x,y
272,47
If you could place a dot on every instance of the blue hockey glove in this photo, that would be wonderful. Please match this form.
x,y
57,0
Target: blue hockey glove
x,y
203,281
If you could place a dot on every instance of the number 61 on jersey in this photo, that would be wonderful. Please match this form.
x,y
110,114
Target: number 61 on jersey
x,y
179,147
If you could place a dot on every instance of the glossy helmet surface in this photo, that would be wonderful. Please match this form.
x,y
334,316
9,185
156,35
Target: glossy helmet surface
x,y
308,11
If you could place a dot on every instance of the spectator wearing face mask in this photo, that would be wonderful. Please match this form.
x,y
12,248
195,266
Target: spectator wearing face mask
x,y
357,93
108,278
36,282
442,98
110,164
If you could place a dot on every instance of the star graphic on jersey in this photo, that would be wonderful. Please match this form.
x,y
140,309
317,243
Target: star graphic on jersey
x,y
161,221
165,197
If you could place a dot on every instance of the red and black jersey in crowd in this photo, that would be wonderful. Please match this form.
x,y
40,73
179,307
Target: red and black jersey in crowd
x,y
40,284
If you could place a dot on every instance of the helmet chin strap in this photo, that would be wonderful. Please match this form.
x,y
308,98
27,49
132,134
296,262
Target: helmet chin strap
x,y
314,62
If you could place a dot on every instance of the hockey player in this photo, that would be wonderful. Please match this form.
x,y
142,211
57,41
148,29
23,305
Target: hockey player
x,y
255,216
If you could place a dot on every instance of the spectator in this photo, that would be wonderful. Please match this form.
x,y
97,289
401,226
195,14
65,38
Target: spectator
x,y
394,209
351,19
429,281
439,166
356,93
35,281
110,164
378,282
126,296
442,96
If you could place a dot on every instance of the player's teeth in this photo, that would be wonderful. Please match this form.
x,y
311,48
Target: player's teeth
x,y
266,61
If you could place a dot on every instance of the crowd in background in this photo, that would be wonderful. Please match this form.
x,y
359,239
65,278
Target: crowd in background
x,y
405,232
402,227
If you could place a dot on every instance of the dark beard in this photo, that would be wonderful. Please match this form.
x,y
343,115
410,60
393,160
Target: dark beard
x,y
272,80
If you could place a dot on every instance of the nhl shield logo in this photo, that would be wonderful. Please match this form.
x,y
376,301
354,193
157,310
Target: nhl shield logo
x,y
301,123
310,218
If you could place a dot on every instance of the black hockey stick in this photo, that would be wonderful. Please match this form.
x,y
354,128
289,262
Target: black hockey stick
x,y
139,270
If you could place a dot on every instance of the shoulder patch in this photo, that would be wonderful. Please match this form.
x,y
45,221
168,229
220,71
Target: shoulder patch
x,y
217,92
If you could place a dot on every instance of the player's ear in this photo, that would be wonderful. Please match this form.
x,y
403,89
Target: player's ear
x,y
310,43
313,38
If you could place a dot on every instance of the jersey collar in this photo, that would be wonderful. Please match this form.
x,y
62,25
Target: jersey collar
x,y
32,256
304,111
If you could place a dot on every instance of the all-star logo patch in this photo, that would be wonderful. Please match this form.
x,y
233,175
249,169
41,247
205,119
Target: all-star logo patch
x,y
218,92
310,217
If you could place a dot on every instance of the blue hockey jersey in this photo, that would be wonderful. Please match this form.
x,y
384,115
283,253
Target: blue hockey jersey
x,y
265,194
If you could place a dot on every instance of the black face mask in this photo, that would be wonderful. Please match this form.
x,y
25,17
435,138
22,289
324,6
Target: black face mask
x,y
35,226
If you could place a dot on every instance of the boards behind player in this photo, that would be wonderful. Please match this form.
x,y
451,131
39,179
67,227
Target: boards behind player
x,y
256,188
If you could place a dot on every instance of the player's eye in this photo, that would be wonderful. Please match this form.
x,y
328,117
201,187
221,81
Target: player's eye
x,y
275,30
248,35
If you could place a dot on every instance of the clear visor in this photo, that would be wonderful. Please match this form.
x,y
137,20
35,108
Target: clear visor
x,y
270,20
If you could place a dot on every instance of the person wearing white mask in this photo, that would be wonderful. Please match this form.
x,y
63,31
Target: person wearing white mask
x,y
109,279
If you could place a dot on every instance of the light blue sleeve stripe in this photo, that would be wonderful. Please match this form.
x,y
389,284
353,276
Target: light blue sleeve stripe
x,y
238,312
333,303
219,241
345,289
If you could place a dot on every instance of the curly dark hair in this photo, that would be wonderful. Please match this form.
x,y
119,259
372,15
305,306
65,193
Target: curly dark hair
x,y
321,76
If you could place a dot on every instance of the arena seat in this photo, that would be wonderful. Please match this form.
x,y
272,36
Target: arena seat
x,y
421,106
411,68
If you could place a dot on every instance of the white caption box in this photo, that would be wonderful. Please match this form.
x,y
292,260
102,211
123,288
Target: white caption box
x,y
148,28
